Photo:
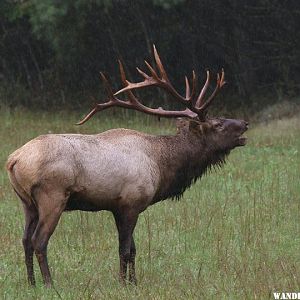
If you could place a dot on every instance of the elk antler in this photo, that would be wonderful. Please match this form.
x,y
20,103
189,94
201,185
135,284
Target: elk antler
x,y
196,107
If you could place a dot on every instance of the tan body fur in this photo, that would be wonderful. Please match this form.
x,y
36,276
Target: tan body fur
x,y
106,170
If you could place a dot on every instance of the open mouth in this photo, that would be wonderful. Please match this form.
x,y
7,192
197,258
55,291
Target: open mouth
x,y
242,140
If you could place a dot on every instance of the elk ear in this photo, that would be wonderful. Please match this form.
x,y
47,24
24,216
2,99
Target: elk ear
x,y
194,125
217,124
181,124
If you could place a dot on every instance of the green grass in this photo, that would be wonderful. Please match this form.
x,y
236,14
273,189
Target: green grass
x,y
234,235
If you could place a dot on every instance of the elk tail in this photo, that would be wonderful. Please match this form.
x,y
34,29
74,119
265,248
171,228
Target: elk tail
x,y
11,170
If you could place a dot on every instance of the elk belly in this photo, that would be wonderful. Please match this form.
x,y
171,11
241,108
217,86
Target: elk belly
x,y
117,178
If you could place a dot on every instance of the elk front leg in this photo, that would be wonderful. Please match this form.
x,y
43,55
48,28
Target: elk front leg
x,y
132,277
126,221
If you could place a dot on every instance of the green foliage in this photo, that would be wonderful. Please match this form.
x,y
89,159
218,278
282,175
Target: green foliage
x,y
58,20
234,235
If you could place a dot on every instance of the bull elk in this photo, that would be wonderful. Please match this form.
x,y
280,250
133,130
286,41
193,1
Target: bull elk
x,y
120,170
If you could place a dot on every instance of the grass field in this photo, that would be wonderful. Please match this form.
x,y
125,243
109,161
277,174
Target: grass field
x,y
234,235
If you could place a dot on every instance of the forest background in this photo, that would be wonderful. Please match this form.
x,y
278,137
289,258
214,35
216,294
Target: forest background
x,y
51,52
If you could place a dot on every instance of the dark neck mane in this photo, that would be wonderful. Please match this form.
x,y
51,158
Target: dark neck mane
x,y
182,160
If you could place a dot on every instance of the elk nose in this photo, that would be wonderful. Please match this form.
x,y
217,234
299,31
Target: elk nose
x,y
246,125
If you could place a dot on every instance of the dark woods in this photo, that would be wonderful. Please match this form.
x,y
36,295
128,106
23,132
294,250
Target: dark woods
x,y
52,51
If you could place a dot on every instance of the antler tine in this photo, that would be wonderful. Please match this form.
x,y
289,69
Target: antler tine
x,y
130,85
203,91
187,88
107,86
142,73
194,87
152,71
98,107
188,94
160,66
88,116
126,83
220,83
123,75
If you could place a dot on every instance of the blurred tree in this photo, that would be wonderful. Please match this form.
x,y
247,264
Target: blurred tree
x,y
58,47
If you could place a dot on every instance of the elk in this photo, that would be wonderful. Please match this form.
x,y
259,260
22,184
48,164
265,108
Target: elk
x,y
120,170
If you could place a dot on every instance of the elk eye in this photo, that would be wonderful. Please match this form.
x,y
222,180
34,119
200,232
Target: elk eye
x,y
219,125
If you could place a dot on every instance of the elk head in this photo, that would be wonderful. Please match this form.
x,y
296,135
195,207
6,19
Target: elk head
x,y
226,133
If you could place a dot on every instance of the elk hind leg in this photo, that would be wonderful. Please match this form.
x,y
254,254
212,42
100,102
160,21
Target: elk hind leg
x,y
31,220
50,207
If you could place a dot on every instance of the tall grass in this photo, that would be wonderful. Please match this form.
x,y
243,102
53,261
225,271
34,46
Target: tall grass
x,y
234,235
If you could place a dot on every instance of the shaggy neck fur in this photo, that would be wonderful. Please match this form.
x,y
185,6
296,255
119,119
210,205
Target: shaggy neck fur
x,y
182,160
